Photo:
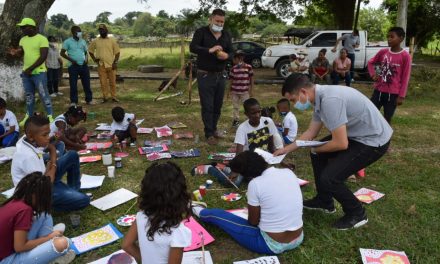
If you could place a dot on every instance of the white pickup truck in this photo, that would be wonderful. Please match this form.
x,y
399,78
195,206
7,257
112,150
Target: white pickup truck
x,y
277,57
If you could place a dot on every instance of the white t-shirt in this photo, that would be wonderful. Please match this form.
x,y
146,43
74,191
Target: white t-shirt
x,y
122,125
279,196
255,137
27,159
290,122
11,119
158,250
53,126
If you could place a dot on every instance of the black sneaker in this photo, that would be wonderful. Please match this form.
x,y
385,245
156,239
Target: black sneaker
x,y
316,204
235,123
351,221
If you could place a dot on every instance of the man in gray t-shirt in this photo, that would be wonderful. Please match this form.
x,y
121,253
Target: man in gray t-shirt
x,y
359,137
350,42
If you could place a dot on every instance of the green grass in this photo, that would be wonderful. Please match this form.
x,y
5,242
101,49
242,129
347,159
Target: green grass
x,y
405,219
133,57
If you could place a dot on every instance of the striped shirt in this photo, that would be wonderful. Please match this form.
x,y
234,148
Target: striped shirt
x,y
240,76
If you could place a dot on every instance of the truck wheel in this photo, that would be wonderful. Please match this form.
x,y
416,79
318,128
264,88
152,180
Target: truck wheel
x,y
283,68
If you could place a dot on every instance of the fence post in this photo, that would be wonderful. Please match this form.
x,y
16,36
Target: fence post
x,y
182,53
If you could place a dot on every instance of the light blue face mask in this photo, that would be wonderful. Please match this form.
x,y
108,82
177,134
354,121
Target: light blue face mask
x,y
79,34
216,28
303,106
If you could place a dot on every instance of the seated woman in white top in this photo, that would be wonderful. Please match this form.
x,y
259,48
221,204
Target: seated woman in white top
x,y
274,222
341,68
164,204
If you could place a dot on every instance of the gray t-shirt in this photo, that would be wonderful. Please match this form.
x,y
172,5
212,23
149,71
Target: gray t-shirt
x,y
338,105
350,41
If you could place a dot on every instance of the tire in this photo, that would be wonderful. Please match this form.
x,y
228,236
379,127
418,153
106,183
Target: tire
x,y
282,68
256,63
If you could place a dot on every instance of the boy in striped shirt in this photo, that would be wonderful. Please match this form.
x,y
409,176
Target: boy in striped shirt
x,y
241,84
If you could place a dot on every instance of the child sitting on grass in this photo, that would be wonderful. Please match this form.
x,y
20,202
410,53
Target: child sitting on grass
x,y
123,126
26,226
8,126
274,223
289,128
159,235
62,128
29,158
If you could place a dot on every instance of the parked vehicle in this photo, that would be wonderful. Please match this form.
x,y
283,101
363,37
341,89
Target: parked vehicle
x,y
277,57
252,51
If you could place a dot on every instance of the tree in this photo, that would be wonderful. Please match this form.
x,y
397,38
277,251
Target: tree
x,y
143,26
369,18
189,20
130,17
103,17
163,14
58,20
162,27
423,19
274,30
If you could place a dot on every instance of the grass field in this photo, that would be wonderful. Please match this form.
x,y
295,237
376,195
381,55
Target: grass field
x,y
406,219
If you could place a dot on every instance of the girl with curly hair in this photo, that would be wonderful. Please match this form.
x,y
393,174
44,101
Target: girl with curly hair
x,y
164,203
274,223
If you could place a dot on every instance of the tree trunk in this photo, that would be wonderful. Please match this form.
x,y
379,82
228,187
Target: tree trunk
x,y
344,12
13,12
402,13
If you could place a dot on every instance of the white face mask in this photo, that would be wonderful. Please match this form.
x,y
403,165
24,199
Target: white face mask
x,y
79,34
216,28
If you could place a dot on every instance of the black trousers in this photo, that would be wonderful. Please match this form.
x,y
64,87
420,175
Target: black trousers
x,y
333,168
388,101
211,91
52,80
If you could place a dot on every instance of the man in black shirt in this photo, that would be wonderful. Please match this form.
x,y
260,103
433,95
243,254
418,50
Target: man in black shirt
x,y
213,47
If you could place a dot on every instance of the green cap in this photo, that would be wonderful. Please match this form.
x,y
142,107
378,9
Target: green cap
x,y
26,21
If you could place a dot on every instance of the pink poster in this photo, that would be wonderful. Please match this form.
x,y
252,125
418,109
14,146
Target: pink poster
x,y
373,256
98,145
87,159
198,233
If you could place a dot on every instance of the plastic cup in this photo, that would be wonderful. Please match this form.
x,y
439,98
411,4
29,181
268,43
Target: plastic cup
x,y
111,171
75,220
202,190
208,183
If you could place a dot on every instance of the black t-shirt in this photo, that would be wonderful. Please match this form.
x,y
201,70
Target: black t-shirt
x,y
202,41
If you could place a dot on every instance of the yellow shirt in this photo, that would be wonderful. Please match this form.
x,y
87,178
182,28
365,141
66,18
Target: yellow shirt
x,y
105,50
31,47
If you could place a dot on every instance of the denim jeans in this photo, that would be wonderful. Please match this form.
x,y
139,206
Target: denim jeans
x,y
239,229
83,72
43,253
333,168
351,56
220,176
31,84
388,101
52,80
60,147
336,77
66,197
211,91
10,139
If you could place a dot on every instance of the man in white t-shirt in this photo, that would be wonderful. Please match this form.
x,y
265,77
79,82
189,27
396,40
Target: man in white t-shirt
x,y
8,126
289,128
123,125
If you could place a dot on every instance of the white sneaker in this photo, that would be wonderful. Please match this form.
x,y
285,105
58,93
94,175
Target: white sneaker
x,y
64,259
72,104
59,93
53,95
59,227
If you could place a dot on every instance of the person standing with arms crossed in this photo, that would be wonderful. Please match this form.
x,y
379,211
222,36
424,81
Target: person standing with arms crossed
x,y
213,47
351,42
105,53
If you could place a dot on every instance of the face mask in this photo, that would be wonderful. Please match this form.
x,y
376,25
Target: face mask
x,y
79,34
216,28
303,106
103,35
283,114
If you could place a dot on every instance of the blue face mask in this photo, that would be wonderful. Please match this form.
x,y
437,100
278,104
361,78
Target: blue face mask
x,y
216,28
79,34
283,114
303,106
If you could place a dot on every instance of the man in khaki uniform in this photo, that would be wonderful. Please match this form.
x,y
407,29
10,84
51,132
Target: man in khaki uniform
x,y
105,53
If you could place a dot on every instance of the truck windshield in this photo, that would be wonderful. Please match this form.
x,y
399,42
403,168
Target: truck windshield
x,y
308,38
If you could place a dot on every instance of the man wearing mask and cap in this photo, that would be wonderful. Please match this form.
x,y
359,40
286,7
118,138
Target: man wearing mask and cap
x,y
302,63
360,136
104,51
76,48
34,48
213,47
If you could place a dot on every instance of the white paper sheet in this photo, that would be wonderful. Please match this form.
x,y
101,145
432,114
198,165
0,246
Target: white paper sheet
x,y
270,158
268,260
306,143
103,127
105,260
8,193
90,181
114,199
195,257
